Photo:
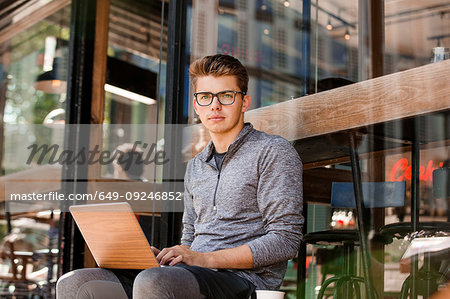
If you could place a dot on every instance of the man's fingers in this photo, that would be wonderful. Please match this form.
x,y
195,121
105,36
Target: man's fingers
x,y
174,255
176,260
161,254
167,257
155,250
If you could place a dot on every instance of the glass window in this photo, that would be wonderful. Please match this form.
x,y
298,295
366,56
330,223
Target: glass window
x,y
34,76
135,62
33,82
135,93
267,37
136,76
416,34
349,42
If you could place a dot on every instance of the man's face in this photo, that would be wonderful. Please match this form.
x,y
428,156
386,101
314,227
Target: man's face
x,y
218,118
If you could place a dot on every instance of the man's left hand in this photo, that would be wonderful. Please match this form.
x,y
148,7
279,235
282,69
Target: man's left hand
x,y
180,253
231,258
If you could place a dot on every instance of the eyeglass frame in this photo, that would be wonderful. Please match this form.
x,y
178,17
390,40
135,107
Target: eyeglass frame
x,y
216,95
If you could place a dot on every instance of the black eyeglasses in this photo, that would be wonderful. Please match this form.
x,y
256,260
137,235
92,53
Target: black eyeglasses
x,y
225,97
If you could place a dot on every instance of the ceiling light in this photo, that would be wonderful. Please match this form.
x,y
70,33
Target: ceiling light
x,y
347,34
129,94
53,81
329,26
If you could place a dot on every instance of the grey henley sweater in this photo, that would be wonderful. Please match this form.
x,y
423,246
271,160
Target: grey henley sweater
x,y
255,199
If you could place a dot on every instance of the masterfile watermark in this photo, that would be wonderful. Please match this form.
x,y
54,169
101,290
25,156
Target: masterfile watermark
x,y
39,153
159,151
141,196
98,196
55,166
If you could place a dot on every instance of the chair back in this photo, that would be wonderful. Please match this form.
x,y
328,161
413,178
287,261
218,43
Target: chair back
x,y
376,194
441,182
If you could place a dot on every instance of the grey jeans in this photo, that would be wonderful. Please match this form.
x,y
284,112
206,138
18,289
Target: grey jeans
x,y
166,282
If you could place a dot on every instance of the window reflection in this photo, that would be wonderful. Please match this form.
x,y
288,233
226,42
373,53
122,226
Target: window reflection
x,y
35,81
413,31
33,84
136,76
268,36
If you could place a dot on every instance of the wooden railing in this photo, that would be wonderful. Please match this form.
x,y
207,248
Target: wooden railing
x,y
400,95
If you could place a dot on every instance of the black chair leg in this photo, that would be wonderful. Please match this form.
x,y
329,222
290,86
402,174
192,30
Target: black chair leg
x,y
405,288
359,203
325,285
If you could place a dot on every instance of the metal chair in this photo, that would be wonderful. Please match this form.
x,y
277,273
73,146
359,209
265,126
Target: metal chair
x,y
346,281
16,284
428,278
376,194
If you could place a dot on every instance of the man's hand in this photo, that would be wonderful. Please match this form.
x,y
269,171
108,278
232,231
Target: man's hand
x,y
155,250
232,258
180,253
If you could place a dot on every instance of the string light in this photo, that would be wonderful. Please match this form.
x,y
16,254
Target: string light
x,y
329,26
347,34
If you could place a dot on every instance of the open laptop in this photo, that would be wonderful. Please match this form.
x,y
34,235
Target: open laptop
x,y
114,236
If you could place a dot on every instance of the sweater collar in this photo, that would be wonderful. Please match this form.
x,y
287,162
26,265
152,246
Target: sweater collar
x,y
207,153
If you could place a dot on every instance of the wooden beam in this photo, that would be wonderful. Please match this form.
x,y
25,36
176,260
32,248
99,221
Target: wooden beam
x,y
98,96
30,19
400,95
413,92
100,55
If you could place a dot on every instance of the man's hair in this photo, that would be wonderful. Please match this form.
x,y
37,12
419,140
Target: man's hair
x,y
219,65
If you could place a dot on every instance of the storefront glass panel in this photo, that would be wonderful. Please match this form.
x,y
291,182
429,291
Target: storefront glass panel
x,y
418,34
391,61
34,48
399,123
269,37
136,75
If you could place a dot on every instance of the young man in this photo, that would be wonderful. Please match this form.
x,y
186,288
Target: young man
x,y
243,203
